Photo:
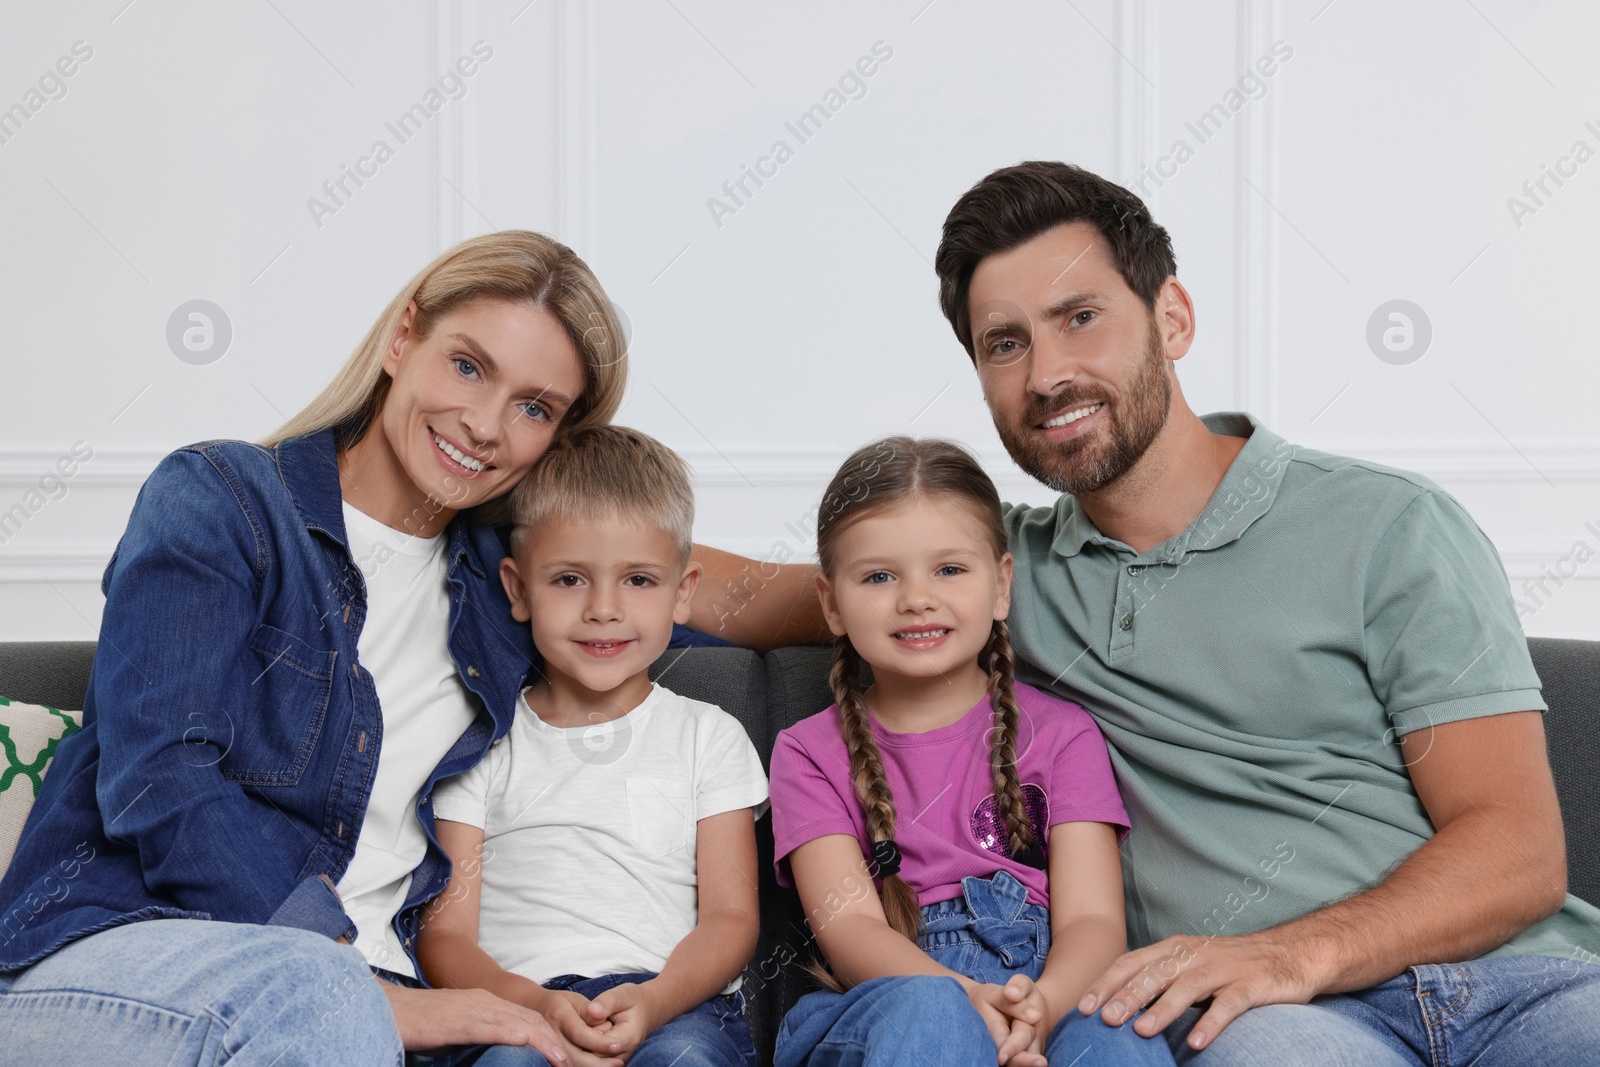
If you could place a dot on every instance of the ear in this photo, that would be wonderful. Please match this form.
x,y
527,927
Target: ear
x,y
1002,596
686,587
401,339
516,592
830,605
1174,314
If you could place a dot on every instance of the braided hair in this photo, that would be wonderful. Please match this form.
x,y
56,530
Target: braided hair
x,y
875,477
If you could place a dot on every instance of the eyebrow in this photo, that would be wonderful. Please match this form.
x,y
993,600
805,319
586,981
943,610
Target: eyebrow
x,y
943,553
589,565
482,355
1056,309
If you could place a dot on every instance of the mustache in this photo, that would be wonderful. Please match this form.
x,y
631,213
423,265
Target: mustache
x,y
1041,408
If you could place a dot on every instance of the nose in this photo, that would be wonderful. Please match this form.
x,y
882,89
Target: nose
x,y
604,603
917,595
483,424
1050,364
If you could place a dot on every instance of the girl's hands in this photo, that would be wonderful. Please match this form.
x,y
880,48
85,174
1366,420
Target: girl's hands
x,y
435,1018
1016,1016
630,1011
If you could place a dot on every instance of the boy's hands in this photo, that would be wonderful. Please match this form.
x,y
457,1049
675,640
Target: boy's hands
x,y
433,1018
1016,1016
568,1012
632,1011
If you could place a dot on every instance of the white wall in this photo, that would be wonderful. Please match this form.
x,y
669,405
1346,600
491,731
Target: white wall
x,y
1374,164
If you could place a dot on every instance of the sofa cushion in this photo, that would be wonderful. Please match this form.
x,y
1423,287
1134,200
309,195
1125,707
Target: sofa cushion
x,y
29,734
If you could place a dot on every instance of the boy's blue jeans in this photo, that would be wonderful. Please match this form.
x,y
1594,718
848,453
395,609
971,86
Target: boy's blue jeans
x,y
711,1035
988,933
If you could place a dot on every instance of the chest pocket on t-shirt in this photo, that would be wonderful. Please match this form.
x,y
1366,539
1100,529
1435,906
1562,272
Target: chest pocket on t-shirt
x,y
662,814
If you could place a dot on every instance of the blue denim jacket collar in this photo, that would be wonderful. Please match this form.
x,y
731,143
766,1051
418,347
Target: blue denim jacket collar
x,y
310,469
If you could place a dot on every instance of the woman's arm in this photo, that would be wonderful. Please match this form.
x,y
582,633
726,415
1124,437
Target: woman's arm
x,y
447,947
715,951
173,679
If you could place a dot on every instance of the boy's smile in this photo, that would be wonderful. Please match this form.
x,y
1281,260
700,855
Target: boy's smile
x,y
600,595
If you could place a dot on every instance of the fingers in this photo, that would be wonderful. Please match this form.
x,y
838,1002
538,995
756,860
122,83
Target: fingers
x,y
1016,1042
998,1025
1226,1006
1119,976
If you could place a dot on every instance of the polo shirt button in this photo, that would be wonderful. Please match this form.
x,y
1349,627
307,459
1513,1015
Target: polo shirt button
x,y
1127,622
472,671
1135,569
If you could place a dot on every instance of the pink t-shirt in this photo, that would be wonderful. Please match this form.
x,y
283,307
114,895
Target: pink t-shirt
x,y
947,824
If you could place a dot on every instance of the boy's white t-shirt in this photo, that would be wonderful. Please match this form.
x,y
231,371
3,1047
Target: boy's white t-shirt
x,y
426,708
589,832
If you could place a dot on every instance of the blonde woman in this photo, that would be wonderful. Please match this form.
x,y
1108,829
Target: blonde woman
x,y
300,639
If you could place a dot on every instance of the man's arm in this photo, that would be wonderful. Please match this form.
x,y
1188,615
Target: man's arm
x,y
758,605
1496,865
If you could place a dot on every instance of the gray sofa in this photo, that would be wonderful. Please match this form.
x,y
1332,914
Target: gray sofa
x,y
771,692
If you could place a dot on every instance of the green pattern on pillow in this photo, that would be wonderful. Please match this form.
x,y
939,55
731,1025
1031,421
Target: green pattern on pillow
x,y
29,734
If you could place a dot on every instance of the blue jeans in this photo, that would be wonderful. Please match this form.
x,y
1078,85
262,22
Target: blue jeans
x,y
711,1035
988,934
188,991
1506,1011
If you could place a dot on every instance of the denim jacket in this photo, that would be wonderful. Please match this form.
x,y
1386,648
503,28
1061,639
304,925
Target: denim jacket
x,y
230,736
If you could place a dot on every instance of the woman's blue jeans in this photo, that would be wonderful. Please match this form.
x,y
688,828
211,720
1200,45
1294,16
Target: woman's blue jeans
x,y
989,933
188,991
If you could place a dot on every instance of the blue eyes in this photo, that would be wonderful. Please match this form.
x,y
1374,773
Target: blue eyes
x,y
949,570
469,370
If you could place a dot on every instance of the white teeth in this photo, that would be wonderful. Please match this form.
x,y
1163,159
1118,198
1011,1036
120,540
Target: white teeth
x,y
921,635
457,455
1072,416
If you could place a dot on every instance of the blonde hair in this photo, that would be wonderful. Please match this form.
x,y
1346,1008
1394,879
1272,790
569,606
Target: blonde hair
x,y
873,478
602,471
518,266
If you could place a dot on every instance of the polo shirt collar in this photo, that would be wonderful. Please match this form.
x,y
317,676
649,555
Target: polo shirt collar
x,y
1245,493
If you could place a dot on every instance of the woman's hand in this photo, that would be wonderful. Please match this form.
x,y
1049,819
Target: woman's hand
x,y
436,1018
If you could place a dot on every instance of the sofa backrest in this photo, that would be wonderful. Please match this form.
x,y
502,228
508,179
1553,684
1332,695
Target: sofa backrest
x,y
769,693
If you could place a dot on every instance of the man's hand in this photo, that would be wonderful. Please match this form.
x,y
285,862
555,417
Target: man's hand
x,y
436,1018
1167,978
632,1011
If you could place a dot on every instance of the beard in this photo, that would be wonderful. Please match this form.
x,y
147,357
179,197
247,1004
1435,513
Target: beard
x,y
1089,463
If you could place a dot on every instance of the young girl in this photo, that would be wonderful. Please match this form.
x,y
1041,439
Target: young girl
x,y
987,810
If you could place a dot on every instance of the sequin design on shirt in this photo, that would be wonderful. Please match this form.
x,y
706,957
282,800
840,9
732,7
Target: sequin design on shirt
x,y
989,826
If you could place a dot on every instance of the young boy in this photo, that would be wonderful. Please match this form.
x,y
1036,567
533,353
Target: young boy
x,y
604,854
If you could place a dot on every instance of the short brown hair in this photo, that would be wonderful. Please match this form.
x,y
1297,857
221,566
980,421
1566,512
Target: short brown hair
x,y
600,470
1015,204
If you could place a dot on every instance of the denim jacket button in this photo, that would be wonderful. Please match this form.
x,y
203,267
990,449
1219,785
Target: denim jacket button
x,y
472,671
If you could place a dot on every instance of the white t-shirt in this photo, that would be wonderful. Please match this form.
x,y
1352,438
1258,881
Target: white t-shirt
x,y
426,708
589,832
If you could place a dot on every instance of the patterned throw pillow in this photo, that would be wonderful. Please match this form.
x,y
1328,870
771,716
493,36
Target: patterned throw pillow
x,y
29,734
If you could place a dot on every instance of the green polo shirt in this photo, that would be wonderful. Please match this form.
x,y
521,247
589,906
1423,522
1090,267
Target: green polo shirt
x,y
1253,673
